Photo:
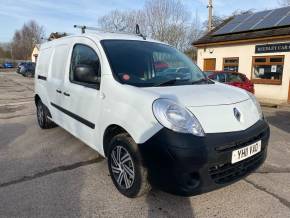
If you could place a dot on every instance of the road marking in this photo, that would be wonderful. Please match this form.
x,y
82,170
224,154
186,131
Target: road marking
x,y
16,116
52,171
16,103
282,200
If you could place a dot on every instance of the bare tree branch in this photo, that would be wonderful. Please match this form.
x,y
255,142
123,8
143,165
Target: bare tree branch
x,y
165,20
25,39
284,2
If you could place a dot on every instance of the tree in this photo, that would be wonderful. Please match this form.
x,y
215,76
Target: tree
x,y
196,29
216,21
121,21
17,47
2,52
165,20
195,32
5,51
25,39
284,2
56,35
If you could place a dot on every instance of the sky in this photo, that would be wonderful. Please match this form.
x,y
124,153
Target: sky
x,y
61,15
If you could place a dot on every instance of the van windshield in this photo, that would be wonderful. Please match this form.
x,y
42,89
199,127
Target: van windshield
x,y
147,64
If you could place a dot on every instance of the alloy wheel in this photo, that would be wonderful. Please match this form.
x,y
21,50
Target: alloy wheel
x,y
122,167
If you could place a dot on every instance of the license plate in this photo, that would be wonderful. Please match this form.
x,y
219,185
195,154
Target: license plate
x,y
246,152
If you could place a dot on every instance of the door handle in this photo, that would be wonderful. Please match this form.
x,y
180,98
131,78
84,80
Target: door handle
x,y
102,95
58,91
66,94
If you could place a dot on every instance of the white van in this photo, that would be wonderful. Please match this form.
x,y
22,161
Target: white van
x,y
151,112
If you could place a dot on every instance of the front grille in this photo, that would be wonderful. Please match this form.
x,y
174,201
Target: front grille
x,y
241,143
225,173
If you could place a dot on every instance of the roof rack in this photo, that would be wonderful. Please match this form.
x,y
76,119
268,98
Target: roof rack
x,y
84,28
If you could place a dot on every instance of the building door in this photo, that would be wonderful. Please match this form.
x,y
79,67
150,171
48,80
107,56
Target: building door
x,y
289,92
209,64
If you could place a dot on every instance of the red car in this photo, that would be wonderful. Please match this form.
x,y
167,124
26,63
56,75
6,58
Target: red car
x,y
159,65
232,78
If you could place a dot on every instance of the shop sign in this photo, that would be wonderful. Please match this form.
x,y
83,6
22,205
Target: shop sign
x,y
273,48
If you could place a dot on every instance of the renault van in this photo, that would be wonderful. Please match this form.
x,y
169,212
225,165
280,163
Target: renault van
x,y
168,127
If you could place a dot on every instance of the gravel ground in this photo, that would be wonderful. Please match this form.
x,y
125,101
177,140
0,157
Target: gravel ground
x,y
50,173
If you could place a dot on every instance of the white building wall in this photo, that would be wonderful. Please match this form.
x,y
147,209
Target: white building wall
x,y
34,54
245,53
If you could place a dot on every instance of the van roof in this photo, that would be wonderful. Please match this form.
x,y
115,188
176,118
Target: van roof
x,y
98,36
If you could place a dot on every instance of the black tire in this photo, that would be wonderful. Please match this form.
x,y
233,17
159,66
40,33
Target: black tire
x,y
42,116
30,74
138,183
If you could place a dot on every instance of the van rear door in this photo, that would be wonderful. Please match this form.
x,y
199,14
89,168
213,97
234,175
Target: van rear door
x,y
41,74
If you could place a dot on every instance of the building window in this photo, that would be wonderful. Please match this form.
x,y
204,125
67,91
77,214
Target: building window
x,y
231,64
268,70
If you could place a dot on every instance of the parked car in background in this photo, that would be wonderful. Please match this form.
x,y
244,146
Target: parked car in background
x,y
7,65
180,73
19,64
26,69
232,78
19,67
160,66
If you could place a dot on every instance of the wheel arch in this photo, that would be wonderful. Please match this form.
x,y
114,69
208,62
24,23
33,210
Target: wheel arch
x,y
111,131
36,98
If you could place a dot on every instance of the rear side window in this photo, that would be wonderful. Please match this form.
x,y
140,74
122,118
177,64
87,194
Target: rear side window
x,y
84,56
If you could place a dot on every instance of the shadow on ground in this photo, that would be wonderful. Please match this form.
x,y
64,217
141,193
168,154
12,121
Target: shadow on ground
x,y
175,206
281,120
10,131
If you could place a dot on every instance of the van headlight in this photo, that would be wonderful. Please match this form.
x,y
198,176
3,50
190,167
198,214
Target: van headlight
x,y
257,104
175,117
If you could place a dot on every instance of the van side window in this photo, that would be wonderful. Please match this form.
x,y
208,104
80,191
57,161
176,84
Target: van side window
x,y
85,66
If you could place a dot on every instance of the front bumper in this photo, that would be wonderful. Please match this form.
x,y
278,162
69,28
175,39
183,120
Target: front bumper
x,y
187,165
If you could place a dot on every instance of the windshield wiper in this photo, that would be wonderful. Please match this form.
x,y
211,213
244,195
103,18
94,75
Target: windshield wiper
x,y
173,81
203,80
167,82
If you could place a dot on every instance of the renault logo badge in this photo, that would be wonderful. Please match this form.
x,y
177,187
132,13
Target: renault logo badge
x,y
237,114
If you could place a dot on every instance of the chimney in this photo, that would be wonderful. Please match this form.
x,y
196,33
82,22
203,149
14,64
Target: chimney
x,y
210,6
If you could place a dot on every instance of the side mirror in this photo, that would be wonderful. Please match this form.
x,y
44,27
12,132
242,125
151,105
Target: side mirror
x,y
86,74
